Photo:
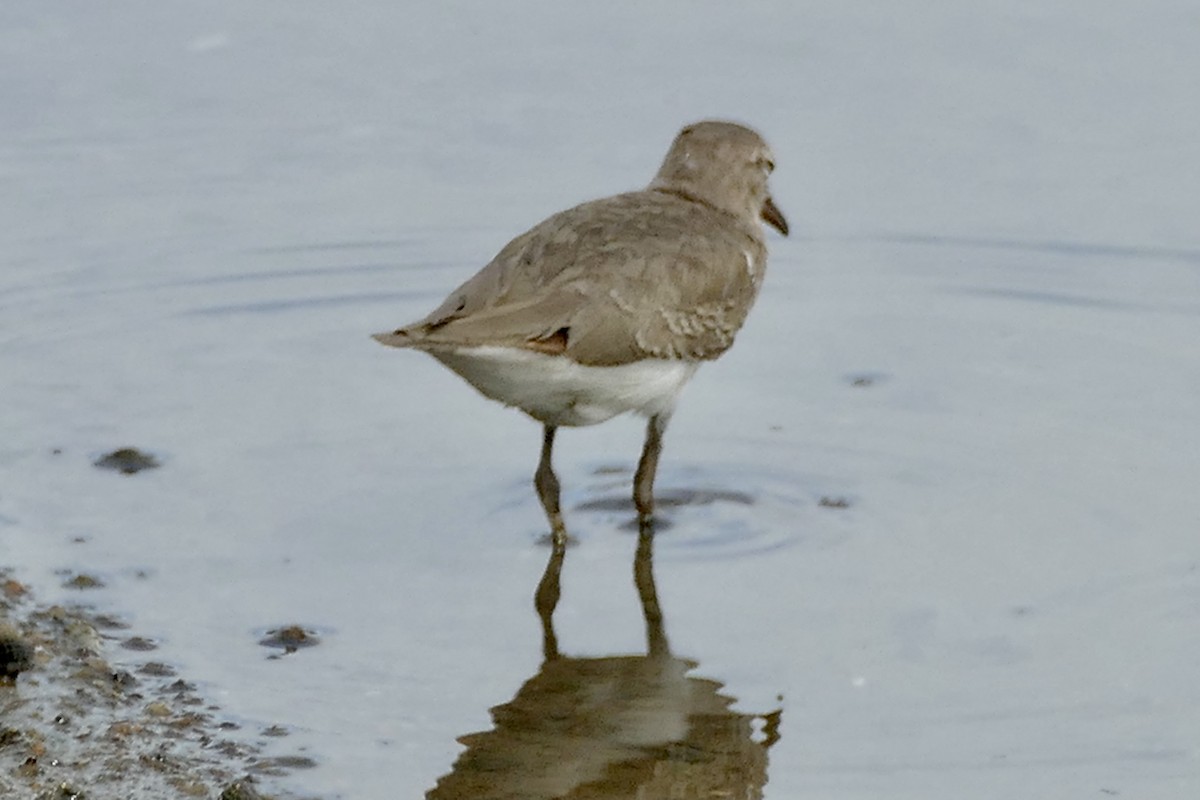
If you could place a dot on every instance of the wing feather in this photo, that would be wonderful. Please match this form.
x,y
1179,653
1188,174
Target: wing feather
x,y
640,275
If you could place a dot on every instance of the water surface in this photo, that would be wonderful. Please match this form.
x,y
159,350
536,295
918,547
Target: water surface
x,y
936,524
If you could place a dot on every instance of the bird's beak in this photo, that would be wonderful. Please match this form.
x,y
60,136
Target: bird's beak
x,y
774,217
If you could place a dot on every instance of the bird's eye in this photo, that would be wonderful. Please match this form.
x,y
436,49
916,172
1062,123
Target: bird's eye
x,y
766,165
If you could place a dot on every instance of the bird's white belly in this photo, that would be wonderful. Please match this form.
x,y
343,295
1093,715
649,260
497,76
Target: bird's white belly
x,y
558,391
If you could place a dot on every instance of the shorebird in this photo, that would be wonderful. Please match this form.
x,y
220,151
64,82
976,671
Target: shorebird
x,y
610,306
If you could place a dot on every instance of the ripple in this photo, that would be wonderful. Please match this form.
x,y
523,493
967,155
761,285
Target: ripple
x,y
725,512
285,305
672,498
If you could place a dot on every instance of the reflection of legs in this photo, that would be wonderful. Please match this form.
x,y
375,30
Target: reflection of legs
x,y
546,483
643,578
545,599
643,481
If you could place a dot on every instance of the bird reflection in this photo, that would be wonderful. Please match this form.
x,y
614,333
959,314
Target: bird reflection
x,y
615,727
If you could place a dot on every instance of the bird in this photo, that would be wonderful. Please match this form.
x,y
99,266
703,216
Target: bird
x,y
610,306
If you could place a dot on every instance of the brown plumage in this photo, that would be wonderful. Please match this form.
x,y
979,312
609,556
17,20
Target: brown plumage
x,y
660,279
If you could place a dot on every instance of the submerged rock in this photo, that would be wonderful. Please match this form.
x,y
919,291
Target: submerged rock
x,y
127,461
16,655
83,581
827,501
290,638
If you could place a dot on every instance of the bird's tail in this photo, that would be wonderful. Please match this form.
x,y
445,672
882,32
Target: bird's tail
x,y
397,338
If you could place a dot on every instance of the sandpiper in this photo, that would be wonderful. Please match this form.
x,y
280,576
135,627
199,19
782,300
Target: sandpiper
x,y
610,306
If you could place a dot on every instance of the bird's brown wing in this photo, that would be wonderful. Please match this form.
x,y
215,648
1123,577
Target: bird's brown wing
x,y
640,275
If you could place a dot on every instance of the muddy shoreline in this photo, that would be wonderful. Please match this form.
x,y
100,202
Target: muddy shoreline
x,y
76,721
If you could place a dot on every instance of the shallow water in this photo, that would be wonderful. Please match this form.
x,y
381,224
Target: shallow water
x,y
978,349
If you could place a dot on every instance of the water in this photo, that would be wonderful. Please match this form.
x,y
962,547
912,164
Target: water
x,y
978,348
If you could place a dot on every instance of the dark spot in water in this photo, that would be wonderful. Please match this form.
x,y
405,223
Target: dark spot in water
x,y
127,461
109,622
275,730
156,669
83,581
140,643
861,380
833,502
290,638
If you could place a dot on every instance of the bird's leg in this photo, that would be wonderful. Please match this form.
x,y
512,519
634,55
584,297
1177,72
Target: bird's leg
x,y
643,579
545,599
643,480
546,483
